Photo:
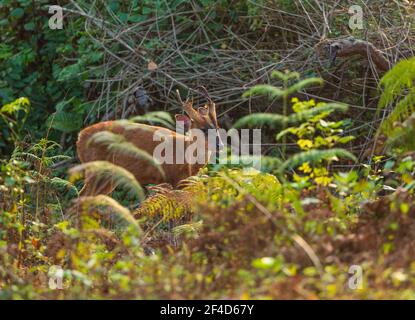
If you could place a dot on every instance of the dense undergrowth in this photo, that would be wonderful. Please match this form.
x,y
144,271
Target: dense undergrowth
x,y
305,226
226,233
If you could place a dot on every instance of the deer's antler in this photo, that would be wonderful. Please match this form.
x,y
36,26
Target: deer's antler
x,y
188,108
204,92
211,105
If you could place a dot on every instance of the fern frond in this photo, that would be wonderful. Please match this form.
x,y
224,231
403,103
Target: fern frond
x,y
46,161
261,119
270,164
398,82
403,109
107,171
303,84
117,144
103,200
264,89
266,163
402,139
314,156
130,125
167,203
277,120
275,74
189,228
193,183
156,117
304,115
273,92
57,182
44,145
403,135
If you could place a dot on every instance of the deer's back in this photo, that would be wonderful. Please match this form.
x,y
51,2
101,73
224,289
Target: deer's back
x,y
142,136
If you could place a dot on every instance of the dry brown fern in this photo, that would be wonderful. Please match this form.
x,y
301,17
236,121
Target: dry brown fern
x,y
166,203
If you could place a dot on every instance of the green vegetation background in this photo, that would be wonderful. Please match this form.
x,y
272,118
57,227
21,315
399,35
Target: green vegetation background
x,y
290,231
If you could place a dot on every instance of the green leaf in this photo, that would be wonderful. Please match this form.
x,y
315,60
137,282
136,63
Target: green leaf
x,y
137,18
60,106
66,121
345,139
29,26
69,72
114,6
5,51
263,263
17,13
122,16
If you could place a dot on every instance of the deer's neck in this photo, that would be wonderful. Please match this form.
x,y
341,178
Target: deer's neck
x,y
197,153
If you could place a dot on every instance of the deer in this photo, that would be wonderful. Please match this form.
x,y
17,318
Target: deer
x,y
142,136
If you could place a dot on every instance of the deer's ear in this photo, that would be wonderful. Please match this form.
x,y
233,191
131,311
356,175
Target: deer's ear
x,y
183,123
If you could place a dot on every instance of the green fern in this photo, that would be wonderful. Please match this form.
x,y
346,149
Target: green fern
x,y
303,84
170,204
280,92
106,201
117,144
261,119
277,120
402,138
306,113
46,161
43,152
275,92
264,90
156,117
107,171
397,83
13,117
322,108
314,156
60,183
285,76
268,164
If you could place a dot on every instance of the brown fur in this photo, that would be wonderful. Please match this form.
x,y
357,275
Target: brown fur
x,y
142,137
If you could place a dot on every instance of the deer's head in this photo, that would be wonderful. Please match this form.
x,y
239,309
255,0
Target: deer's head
x,y
204,119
